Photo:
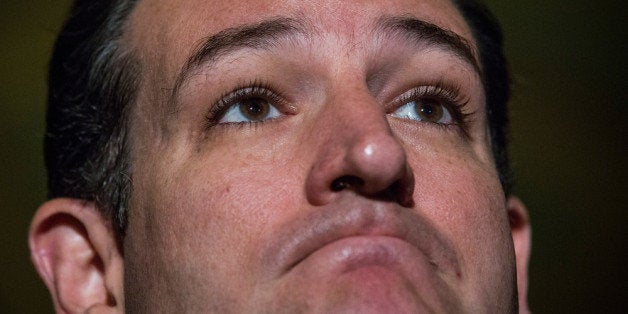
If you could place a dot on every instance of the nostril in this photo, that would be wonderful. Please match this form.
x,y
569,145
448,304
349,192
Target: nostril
x,y
399,191
347,182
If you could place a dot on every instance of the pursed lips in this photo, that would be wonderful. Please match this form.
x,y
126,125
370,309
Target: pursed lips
x,y
358,217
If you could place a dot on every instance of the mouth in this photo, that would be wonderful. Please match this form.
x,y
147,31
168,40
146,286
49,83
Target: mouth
x,y
352,237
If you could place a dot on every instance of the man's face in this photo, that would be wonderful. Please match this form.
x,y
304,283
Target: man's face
x,y
325,156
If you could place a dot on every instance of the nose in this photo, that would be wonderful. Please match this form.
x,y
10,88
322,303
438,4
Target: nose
x,y
358,152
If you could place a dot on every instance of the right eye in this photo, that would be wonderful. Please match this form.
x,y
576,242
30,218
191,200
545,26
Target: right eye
x,y
254,109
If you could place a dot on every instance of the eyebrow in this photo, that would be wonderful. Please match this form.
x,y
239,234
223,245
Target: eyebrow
x,y
268,33
262,35
425,33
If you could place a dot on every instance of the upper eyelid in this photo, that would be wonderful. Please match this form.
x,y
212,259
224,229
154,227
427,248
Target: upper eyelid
x,y
251,91
451,95
246,92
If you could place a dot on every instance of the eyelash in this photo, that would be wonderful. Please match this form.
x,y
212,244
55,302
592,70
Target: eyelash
x,y
449,96
254,89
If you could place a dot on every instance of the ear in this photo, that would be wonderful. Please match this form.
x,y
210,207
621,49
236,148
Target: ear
x,y
75,252
522,239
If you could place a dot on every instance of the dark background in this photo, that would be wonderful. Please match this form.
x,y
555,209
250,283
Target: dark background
x,y
569,139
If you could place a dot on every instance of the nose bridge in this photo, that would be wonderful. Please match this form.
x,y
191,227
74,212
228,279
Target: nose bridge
x,y
353,111
356,149
351,121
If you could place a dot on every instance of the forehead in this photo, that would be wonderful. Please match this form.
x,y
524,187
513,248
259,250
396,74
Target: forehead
x,y
164,32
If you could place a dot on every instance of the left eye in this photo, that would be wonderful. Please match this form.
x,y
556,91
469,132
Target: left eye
x,y
250,110
426,109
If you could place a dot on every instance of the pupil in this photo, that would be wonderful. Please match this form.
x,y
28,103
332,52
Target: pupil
x,y
430,110
254,109
427,110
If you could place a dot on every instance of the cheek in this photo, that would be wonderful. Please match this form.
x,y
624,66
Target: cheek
x,y
462,195
218,208
205,208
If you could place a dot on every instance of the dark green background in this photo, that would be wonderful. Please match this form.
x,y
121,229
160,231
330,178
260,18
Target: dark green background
x,y
569,139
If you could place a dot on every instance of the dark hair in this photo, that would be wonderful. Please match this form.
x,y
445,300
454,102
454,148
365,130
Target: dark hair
x,y
93,81
489,39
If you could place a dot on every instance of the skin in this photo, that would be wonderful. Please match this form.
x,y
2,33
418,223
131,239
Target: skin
x,y
249,217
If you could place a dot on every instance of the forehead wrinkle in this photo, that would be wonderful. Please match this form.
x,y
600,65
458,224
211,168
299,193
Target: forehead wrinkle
x,y
262,35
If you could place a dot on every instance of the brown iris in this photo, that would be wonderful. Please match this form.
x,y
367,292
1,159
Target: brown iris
x,y
254,109
429,110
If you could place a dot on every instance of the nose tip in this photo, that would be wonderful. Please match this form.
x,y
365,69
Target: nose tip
x,y
372,164
377,162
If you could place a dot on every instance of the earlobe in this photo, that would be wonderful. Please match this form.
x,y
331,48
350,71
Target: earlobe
x,y
74,250
522,239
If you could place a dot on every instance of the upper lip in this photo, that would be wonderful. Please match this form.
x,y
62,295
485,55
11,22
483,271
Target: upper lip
x,y
300,238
